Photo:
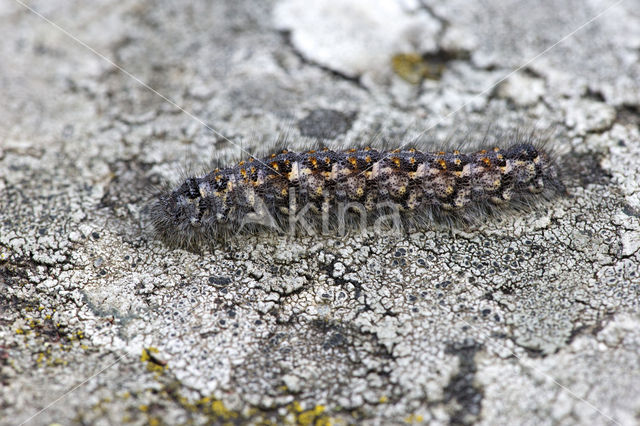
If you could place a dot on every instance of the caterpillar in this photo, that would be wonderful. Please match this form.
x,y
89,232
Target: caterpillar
x,y
327,190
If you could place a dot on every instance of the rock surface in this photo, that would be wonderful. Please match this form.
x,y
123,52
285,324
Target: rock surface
x,y
529,317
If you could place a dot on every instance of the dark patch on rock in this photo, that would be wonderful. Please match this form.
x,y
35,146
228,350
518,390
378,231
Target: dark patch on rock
x,y
128,184
461,389
219,281
585,169
630,210
628,115
326,123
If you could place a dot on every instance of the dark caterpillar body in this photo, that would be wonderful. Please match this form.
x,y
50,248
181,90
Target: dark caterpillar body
x,y
327,184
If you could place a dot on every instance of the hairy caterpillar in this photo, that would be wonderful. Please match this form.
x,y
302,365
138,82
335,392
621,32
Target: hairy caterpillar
x,y
325,190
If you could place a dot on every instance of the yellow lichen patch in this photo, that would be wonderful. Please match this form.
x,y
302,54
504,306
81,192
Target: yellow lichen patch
x,y
153,363
313,416
383,399
413,419
413,68
218,408
215,409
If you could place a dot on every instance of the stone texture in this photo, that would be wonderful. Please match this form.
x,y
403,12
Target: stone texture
x,y
528,317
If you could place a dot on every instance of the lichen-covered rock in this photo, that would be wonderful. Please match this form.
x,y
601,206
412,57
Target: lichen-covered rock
x,y
531,316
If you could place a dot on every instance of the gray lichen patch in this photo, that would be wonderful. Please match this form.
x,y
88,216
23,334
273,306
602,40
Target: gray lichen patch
x,y
530,315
